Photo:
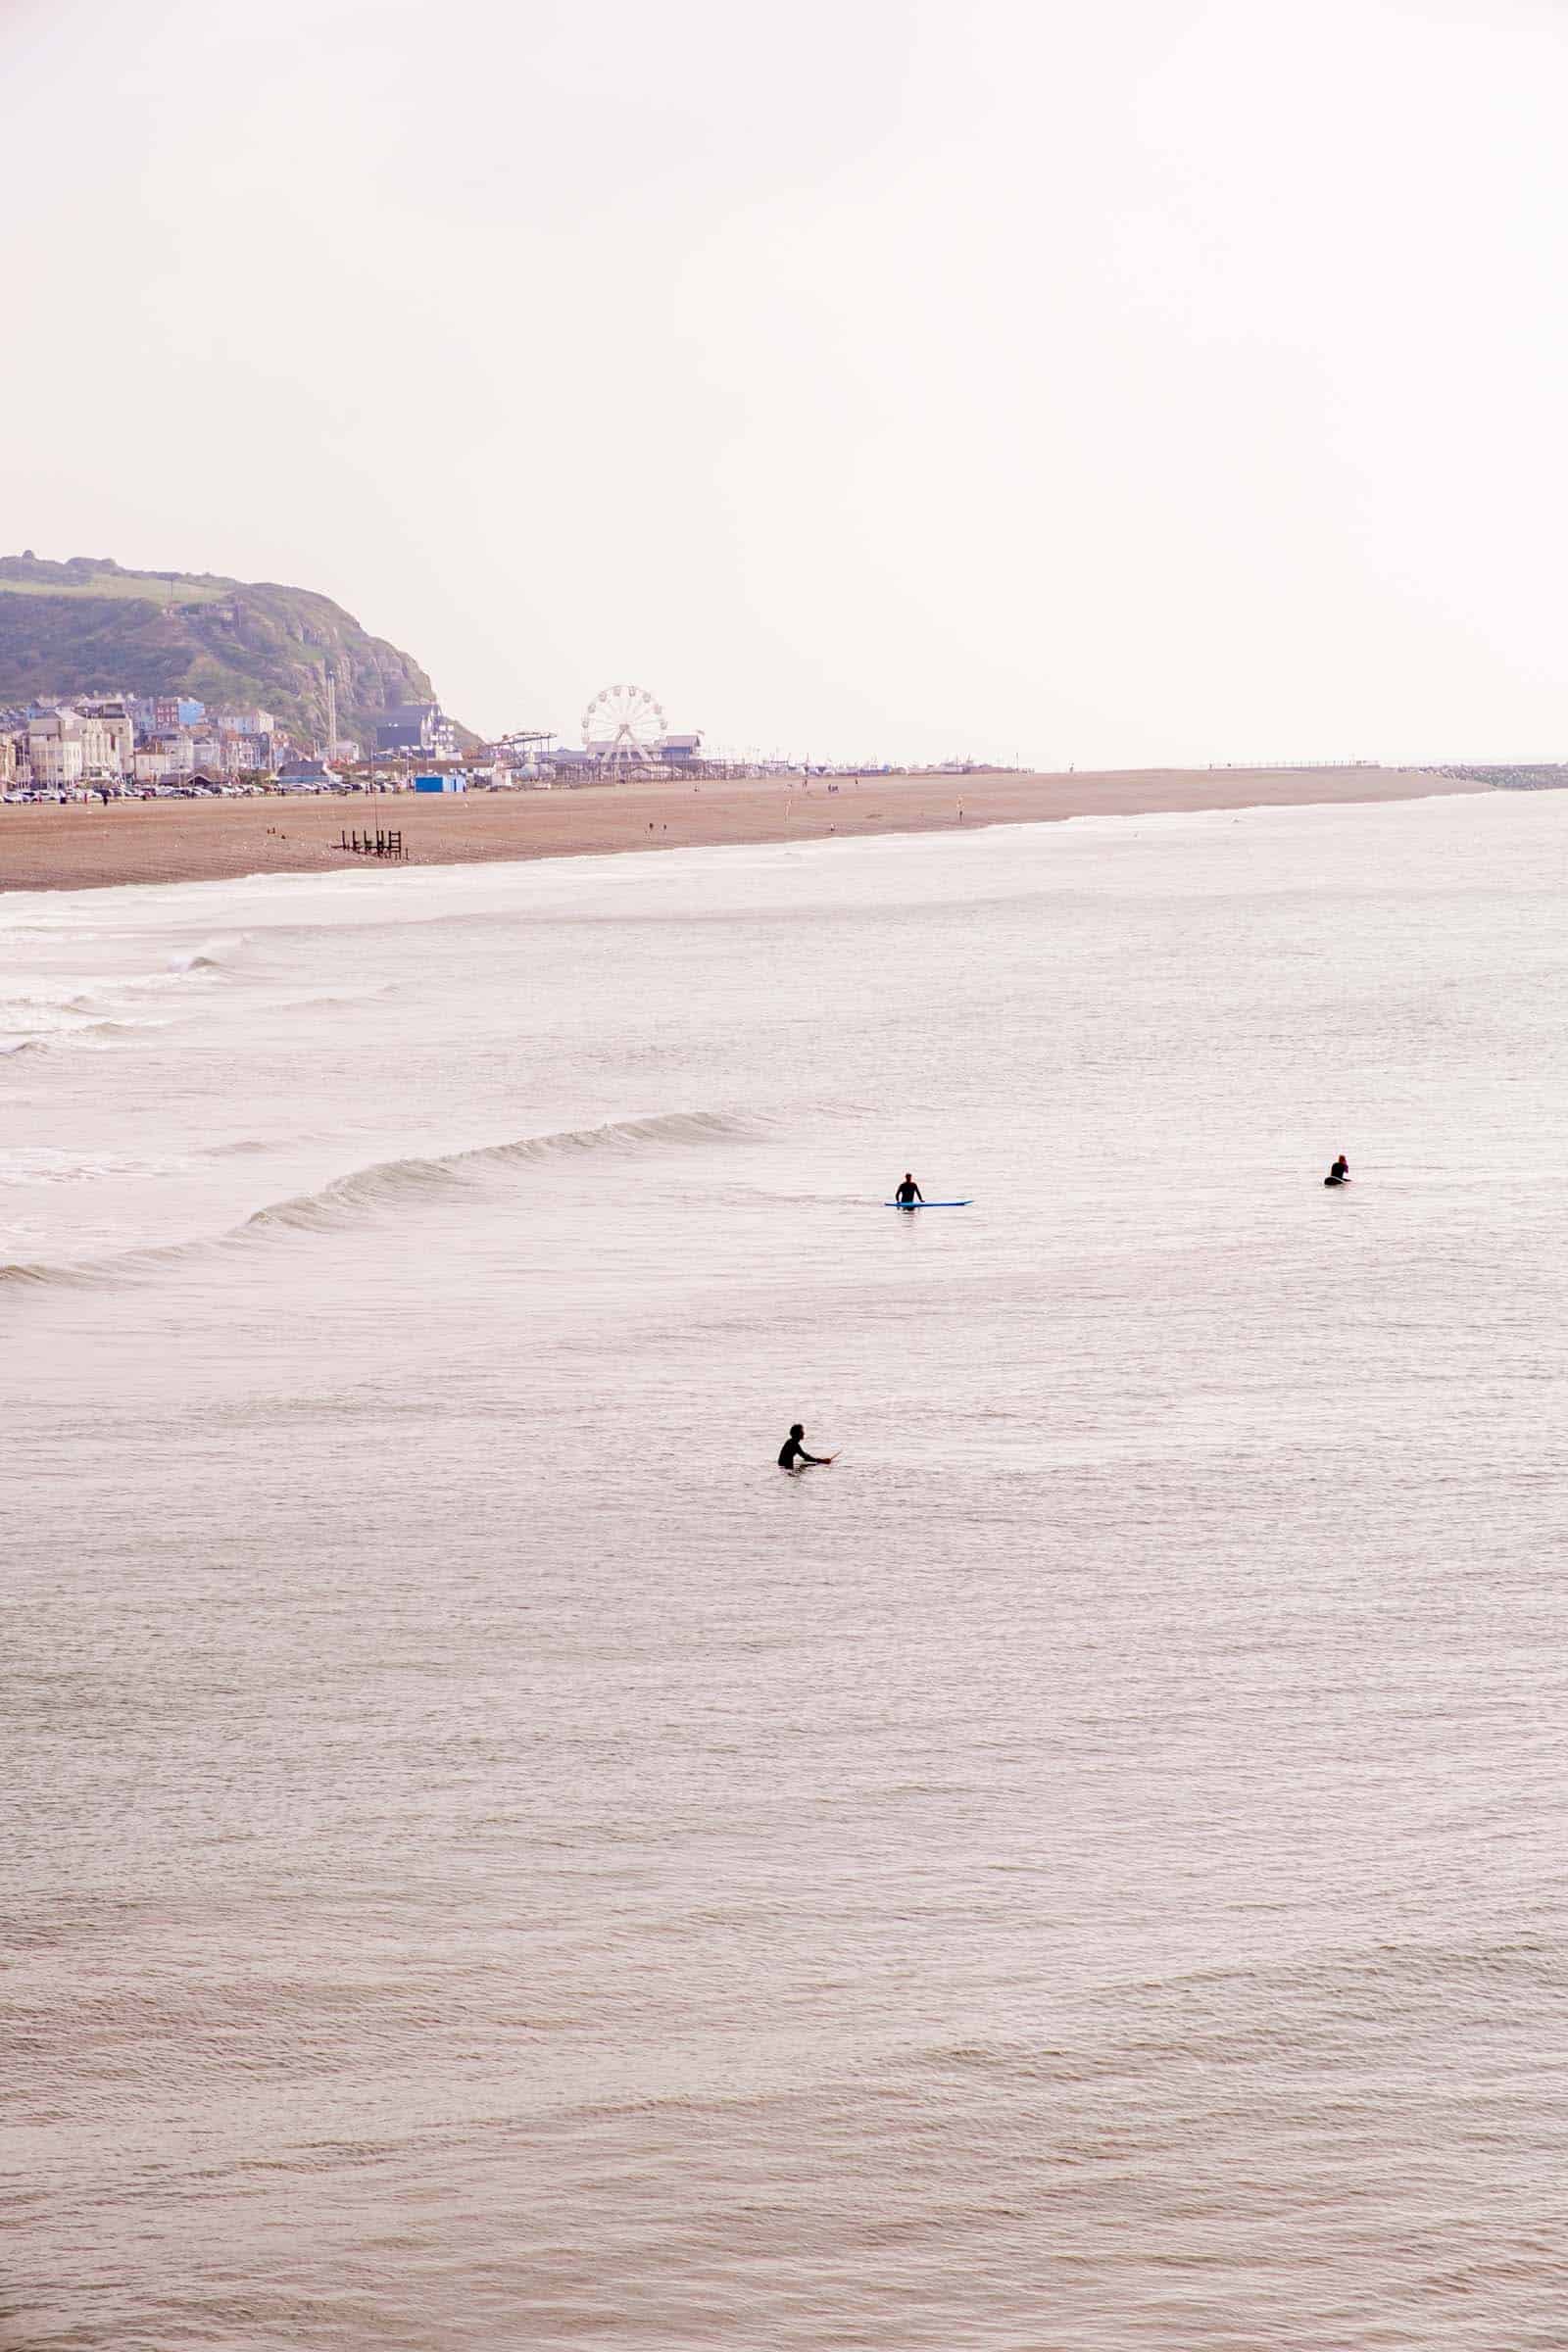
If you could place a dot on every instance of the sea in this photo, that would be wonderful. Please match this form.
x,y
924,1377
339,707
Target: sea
x,y
488,1861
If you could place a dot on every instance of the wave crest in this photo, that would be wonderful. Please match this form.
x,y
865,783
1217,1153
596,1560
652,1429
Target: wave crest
x,y
347,1200
101,1273
390,1181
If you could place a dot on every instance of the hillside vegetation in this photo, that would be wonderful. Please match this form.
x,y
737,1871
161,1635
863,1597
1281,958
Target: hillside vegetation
x,y
89,626
87,575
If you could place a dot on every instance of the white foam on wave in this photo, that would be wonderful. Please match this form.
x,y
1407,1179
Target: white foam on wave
x,y
212,956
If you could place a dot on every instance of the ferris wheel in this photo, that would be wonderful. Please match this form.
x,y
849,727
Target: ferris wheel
x,y
624,727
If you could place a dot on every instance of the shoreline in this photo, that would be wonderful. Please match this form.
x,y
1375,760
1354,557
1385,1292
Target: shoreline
x,y
82,846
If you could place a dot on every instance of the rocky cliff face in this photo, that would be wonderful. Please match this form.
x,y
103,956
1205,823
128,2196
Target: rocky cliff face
x,y
87,626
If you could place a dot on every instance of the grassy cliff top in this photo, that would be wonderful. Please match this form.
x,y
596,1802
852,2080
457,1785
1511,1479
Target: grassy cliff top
x,y
90,575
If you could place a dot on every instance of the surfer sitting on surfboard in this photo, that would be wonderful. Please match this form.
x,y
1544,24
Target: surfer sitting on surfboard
x,y
909,1192
1340,1173
792,1455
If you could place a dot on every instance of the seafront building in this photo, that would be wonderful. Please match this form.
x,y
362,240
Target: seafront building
x,y
52,748
418,727
114,714
65,747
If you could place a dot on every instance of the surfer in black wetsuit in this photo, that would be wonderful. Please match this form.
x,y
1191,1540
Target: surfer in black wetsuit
x,y
909,1192
791,1453
1340,1173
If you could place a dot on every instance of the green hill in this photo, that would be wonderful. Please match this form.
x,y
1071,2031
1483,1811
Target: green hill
x,y
88,626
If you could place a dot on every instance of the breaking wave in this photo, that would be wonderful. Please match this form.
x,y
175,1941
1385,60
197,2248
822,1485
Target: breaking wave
x,y
208,958
347,1200
393,1180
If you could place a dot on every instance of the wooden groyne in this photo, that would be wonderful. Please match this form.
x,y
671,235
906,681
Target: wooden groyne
x,y
380,844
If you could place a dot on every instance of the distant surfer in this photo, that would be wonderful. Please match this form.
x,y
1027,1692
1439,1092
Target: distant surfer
x,y
1340,1173
792,1455
909,1192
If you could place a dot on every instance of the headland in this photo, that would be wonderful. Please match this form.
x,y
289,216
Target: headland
x,y
88,846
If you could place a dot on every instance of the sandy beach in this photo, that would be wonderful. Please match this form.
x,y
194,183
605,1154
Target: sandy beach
x,y
83,848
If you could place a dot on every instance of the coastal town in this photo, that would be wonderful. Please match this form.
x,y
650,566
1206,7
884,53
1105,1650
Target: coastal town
x,y
164,747
103,748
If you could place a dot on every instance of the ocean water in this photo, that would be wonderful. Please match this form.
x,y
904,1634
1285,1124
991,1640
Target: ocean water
x,y
487,1861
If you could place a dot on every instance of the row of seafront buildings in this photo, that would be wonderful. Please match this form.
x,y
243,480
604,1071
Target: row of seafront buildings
x,y
113,745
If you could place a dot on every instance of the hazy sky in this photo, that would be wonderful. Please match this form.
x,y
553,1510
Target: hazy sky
x,y
1122,382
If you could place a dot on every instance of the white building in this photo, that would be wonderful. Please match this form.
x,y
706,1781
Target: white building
x,y
54,750
68,747
115,718
179,750
101,760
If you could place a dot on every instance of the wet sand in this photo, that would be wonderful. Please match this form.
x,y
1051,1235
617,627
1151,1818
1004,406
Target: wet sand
x,y
81,848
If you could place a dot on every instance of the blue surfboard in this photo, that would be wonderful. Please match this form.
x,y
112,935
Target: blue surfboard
x,y
969,1204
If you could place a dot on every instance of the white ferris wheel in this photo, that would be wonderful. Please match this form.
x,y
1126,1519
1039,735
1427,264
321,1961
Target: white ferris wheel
x,y
624,727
